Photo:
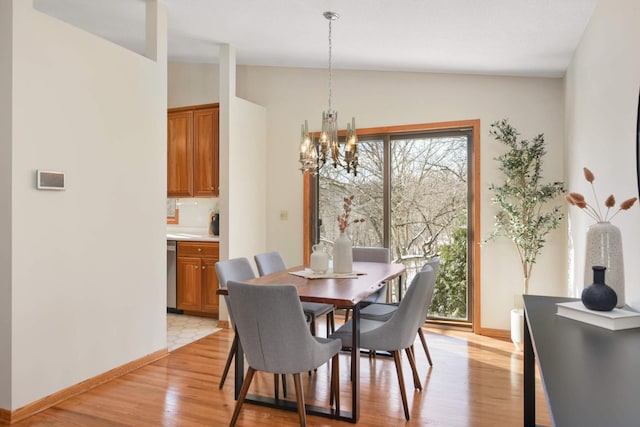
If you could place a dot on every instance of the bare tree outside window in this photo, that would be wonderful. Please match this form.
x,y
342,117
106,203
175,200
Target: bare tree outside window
x,y
428,204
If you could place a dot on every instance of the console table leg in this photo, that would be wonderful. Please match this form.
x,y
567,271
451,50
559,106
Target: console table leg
x,y
529,379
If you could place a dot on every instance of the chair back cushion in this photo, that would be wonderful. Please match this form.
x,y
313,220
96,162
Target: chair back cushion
x,y
238,269
269,262
273,330
399,331
371,254
435,264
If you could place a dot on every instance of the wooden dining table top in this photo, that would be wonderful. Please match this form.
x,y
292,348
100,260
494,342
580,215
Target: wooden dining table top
x,y
344,292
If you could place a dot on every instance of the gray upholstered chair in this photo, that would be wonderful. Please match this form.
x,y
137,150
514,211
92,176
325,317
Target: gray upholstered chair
x,y
272,262
384,312
398,332
238,269
371,254
275,338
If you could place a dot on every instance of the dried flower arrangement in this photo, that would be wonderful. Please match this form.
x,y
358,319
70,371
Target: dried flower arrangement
x,y
577,199
343,219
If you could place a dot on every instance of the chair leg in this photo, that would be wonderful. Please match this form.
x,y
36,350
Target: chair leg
x,y
424,345
232,352
412,361
331,325
302,415
284,385
346,314
312,328
276,386
243,394
335,383
397,359
333,322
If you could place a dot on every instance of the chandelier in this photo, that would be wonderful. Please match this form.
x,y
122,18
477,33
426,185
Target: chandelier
x,y
314,153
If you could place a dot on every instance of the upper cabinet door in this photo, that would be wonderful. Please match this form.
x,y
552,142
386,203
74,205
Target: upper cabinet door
x,y
180,154
206,149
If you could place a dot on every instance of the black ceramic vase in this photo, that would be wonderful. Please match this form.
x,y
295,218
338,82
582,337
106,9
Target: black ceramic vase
x,y
598,296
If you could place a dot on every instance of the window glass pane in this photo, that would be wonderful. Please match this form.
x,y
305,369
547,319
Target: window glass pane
x,y
367,189
428,205
427,212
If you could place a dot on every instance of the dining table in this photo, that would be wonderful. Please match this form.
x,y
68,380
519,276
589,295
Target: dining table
x,y
345,291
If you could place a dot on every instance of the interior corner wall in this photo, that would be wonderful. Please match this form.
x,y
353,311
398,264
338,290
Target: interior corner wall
x,y
247,185
88,263
601,107
6,63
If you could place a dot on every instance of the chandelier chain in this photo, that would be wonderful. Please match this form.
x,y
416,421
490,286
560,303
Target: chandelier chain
x,y
330,70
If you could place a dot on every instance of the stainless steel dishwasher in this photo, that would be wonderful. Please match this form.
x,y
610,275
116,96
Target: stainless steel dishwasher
x,y
171,277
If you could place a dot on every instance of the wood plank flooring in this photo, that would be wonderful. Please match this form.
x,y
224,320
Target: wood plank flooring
x,y
475,381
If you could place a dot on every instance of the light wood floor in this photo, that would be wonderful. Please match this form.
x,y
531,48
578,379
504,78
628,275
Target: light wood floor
x,y
475,381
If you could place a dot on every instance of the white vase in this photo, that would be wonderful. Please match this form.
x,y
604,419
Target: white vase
x,y
604,247
342,254
517,327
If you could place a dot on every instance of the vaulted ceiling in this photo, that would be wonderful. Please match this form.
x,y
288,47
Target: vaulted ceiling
x,y
498,37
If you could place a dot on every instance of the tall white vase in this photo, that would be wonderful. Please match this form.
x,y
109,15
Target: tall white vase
x,y
604,247
517,327
342,254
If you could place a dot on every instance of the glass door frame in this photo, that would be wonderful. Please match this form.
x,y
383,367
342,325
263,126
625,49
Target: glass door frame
x,y
310,220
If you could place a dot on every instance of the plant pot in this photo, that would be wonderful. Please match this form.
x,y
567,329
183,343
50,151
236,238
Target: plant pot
x,y
517,327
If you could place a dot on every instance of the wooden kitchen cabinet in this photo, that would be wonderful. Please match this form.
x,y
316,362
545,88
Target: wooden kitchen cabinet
x,y
193,141
197,280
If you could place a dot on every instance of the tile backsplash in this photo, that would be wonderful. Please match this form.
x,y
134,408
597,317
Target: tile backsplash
x,y
194,212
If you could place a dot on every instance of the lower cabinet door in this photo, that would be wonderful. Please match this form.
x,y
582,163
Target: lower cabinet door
x,y
189,294
209,286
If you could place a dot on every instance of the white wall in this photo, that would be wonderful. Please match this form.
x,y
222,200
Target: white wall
x,y
6,26
88,263
192,84
247,185
194,211
602,86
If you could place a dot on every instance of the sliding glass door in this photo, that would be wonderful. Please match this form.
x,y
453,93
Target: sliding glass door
x,y
413,192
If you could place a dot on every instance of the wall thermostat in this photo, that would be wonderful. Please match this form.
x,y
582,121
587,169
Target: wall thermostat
x,y
50,180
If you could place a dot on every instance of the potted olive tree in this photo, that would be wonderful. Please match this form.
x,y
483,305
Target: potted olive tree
x,y
523,216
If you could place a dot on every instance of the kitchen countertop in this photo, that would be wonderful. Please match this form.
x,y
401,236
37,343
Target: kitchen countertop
x,y
194,234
